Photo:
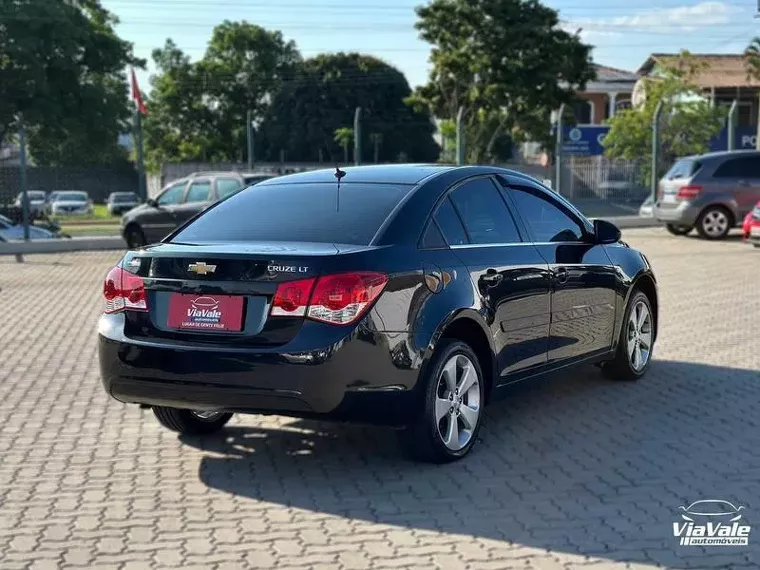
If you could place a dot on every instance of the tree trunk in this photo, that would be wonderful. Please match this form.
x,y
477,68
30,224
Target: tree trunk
x,y
345,153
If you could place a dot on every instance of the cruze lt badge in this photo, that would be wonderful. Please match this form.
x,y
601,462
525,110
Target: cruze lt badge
x,y
201,268
287,269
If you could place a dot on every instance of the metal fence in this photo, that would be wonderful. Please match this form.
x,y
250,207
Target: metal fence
x,y
97,181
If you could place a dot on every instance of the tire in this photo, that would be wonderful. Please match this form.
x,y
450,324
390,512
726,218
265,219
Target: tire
x,y
714,223
622,366
426,439
190,422
135,237
679,230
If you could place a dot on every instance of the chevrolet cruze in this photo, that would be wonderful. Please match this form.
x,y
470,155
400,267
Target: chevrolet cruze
x,y
402,295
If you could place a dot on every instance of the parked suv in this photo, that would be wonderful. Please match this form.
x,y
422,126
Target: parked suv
x,y
120,202
179,201
711,192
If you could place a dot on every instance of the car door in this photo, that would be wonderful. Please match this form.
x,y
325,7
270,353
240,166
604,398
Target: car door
x,y
510,275
585,281
197,198
160,219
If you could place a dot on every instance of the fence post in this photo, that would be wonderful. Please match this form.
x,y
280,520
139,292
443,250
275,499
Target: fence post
x,y
358,136
249,138
460,136
558,151
655,146
732,124
22,176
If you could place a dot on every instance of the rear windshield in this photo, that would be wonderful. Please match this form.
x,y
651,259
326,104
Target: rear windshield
x,y
35,195
683,168
71,196
298,212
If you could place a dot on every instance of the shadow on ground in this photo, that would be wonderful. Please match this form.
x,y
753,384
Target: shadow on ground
x,y
579,465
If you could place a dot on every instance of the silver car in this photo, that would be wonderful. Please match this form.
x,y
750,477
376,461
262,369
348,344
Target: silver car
x,y
710,192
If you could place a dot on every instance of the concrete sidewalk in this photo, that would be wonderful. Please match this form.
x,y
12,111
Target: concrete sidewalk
x,y
115,242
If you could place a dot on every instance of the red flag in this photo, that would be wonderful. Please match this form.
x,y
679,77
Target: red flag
x,y
137,96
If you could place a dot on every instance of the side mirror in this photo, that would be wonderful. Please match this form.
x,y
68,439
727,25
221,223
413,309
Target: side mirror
x,y
606,232
152,203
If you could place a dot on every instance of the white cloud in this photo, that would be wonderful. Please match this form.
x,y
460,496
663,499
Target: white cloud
x,y
692,17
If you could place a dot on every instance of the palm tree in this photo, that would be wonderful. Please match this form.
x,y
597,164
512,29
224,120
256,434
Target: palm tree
x,y
343,137
752,61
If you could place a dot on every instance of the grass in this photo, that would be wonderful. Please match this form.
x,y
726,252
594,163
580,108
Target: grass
x,y
90,229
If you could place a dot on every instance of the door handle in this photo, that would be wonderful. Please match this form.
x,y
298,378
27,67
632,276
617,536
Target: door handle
x,y
492,278
561,274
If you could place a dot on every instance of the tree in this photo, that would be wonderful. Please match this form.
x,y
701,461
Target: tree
x,y
323,97
687,123
344,137
198,110
507,62
752,60
62,68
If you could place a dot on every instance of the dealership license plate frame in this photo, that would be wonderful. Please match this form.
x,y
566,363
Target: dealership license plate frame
x,y
210,313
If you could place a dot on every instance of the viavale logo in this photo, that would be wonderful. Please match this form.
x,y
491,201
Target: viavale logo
x,y
712,522
204,309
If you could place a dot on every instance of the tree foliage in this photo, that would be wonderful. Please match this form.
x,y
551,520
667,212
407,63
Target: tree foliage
x,y
508,62
687,122
62,68
322,99
198,110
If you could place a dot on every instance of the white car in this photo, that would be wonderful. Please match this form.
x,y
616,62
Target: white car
x,y
71,203
36,201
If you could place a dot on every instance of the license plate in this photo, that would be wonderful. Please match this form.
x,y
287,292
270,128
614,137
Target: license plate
x,y
210,313
669,198
754,231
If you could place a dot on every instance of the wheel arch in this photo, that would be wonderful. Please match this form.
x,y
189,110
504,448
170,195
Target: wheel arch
x,y
469,327
645,282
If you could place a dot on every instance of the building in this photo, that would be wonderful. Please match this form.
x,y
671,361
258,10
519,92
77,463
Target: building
x,y
722,80
609,92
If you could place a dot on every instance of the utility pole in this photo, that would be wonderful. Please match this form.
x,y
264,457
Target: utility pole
x,y
22,173
358,136
249,131
558,150
655,146
732,125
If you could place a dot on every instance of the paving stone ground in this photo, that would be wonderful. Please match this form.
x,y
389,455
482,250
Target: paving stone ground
x,y
574,473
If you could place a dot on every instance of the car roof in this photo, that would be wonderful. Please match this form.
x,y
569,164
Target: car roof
x,y
723,154
373,174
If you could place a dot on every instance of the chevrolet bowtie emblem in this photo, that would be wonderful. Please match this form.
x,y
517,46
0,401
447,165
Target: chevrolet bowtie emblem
x,y
201,268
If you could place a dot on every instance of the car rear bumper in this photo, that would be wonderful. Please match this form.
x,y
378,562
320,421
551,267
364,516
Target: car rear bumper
x,y
367,376
683,214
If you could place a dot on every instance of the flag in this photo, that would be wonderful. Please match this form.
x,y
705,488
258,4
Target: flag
x,y
137,96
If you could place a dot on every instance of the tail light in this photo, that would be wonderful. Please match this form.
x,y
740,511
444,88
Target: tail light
x,y
124,291
339,299
688,192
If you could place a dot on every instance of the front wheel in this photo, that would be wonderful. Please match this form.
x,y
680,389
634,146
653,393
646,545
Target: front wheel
x,y
135,237
191,422
634,349
452,411
678,230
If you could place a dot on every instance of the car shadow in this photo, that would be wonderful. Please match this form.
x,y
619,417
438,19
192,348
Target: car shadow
x,y
578,465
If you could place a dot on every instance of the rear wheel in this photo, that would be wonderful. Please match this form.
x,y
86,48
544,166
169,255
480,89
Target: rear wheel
x,y
634,349
452,411
714,223
135,237
191,422
678,230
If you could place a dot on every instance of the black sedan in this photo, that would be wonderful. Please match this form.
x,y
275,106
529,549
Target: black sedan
x,y
403,295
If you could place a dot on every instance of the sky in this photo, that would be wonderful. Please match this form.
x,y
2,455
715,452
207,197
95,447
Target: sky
x,y
624,32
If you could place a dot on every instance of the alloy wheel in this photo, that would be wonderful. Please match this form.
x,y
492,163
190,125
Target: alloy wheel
x,y
457,403
715,223
206,416
639,336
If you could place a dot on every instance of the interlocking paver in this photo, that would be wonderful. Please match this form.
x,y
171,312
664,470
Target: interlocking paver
x,y
576,473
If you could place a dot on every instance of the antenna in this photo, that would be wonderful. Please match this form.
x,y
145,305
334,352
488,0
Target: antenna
x,y
339,174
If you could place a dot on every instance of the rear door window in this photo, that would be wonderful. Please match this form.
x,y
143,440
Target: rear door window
x,y
484,213
226,186
313,212
744,167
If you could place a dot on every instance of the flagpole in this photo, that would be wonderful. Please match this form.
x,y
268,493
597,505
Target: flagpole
x,y
140,157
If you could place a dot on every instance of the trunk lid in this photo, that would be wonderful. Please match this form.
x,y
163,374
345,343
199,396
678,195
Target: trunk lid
x,y
222,292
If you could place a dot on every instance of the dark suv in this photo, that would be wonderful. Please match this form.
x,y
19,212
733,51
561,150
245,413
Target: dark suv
x,y
179,201
711,192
